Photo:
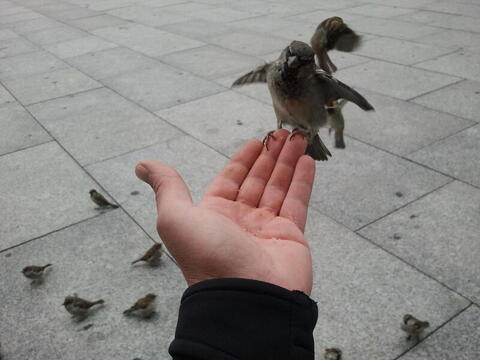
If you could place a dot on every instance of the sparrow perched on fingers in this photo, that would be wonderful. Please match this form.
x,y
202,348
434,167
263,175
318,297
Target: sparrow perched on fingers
x,y
300,92
100,200
336,122
413,327
78,306
144,307
34,272
152,255
332,33
332,354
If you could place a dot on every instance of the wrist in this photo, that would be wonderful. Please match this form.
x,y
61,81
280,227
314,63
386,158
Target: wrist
x,y
244,319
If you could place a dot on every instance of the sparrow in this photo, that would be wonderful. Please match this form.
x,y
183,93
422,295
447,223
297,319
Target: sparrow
x,y
336,122
34,272
332,33
332,354
79,307
152,255
100,200
413,327
144,307
300,91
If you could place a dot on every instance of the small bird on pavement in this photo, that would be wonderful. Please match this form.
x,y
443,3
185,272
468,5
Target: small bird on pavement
x,y
413,327
152,255
332,354
33,272
300,91
144,307
332,33
79,307
100,200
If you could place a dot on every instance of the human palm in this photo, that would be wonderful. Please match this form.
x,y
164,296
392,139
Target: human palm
x,y
250,221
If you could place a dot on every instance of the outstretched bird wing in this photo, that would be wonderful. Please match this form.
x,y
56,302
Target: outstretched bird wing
x,y
254,76
335,89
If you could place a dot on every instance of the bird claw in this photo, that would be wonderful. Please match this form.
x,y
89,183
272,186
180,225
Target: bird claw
x,y
295,132
267,138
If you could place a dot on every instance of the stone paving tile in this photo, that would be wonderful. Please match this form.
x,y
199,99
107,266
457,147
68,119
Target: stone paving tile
x,y
461,99
97,22
413,4
361,184
400,51
41,87
24,27
394,80
453,39
111,62
197,163
199,29
455,155
29,64
425,17
392,28
7,34
5,96
224,127
92,259
450,7
14,10
390,125
161,3
211,62
223,14
147,87
147,15
463,63
249,42
362,292
317,16
457,340
79,46
54,35
72,14
19,129
150,41
22,16
118,125
336,5
15,46
460,23
103,5
422,234
58,188
379,11
265,23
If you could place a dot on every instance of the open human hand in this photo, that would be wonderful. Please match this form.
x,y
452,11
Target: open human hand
x,y
250,221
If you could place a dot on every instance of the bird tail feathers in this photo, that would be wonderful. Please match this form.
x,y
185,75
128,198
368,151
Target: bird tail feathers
x,y
317,149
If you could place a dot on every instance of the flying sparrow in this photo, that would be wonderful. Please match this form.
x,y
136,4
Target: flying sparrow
x,y
34,272
152,255
332,354
332,33
144,307
413,327
100,200
79,307
300,91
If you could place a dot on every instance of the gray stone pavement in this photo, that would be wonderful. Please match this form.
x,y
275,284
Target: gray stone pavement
x,y
90,87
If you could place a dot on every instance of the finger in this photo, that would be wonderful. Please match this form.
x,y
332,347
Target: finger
x,y
279,183
252,188
171,192
295,205
228,181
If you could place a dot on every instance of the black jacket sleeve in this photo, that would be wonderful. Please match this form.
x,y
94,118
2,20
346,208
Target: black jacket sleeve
x,y
244,319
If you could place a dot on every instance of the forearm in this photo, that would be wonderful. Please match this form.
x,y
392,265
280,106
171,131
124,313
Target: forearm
x,y
244,319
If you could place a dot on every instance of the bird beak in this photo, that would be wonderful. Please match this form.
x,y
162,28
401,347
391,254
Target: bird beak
x,y
293,62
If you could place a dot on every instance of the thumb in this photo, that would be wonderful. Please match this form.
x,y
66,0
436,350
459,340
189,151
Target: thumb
x,y
169,187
